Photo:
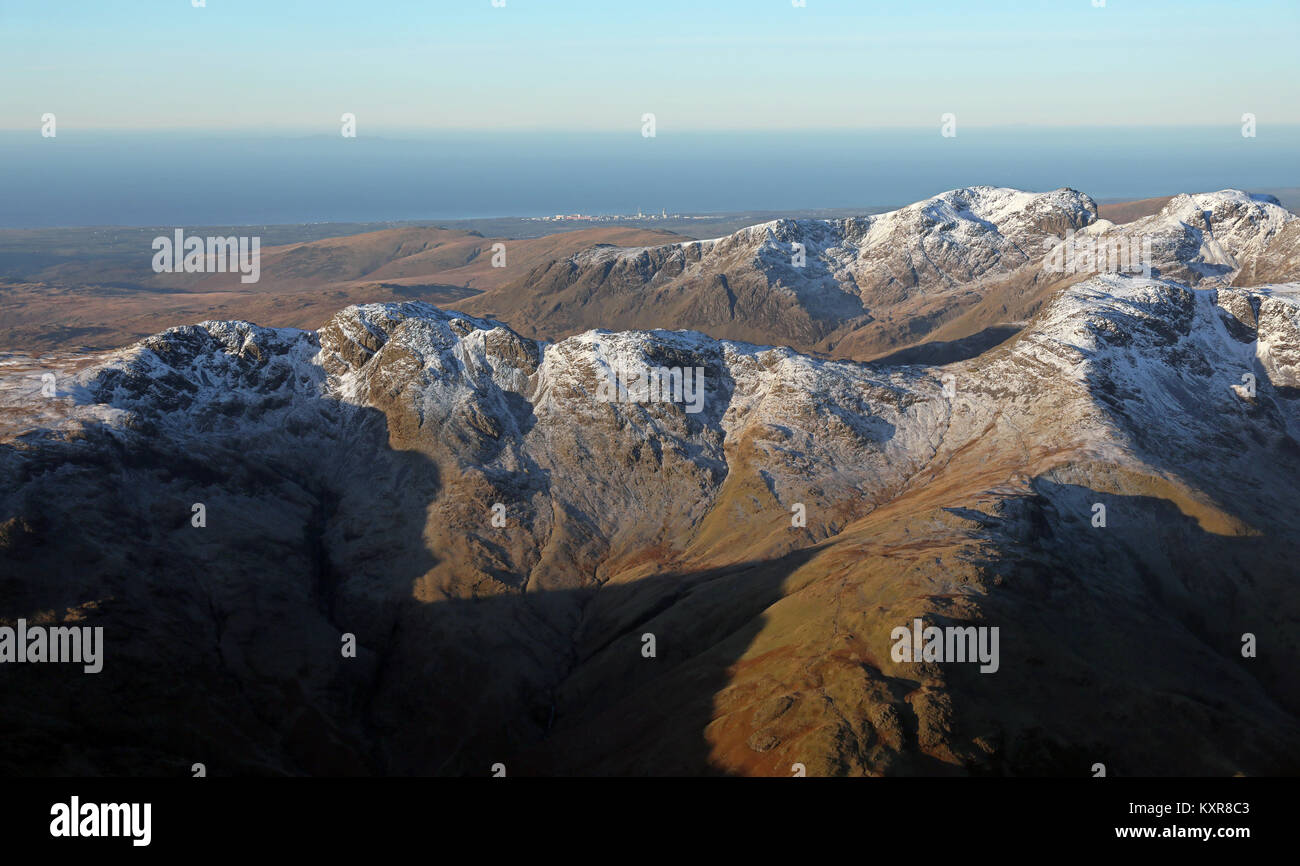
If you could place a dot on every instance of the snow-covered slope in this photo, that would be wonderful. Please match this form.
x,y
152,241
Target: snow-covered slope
x,y
954,237
1146,366
1211,238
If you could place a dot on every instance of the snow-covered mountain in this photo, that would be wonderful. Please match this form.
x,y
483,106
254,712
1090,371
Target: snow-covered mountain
x,y
500,540
964,263
1220,238
803,283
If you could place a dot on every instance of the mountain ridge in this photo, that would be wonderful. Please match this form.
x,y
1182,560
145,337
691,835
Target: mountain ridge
x,y
946,268
391,433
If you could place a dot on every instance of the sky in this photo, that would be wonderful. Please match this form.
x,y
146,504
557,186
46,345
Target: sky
x,y
599,65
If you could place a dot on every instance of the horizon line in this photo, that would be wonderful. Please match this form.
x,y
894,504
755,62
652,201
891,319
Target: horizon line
x,y
437,222
331,130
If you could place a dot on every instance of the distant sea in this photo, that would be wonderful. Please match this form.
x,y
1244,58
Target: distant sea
x,y
188,178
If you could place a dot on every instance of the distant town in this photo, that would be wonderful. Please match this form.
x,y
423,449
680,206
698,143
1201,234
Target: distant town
x,y
613,218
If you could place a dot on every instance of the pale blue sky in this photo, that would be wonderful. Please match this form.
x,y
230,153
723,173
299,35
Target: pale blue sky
x,y
599,64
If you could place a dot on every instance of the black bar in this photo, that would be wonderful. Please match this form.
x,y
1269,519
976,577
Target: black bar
x,y
241,816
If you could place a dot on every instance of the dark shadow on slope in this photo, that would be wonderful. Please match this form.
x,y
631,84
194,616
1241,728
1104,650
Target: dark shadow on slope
x,y
434,293
940,352
223,645
1121,644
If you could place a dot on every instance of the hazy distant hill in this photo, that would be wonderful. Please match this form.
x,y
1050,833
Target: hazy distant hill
x,y
110,301
1127,211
